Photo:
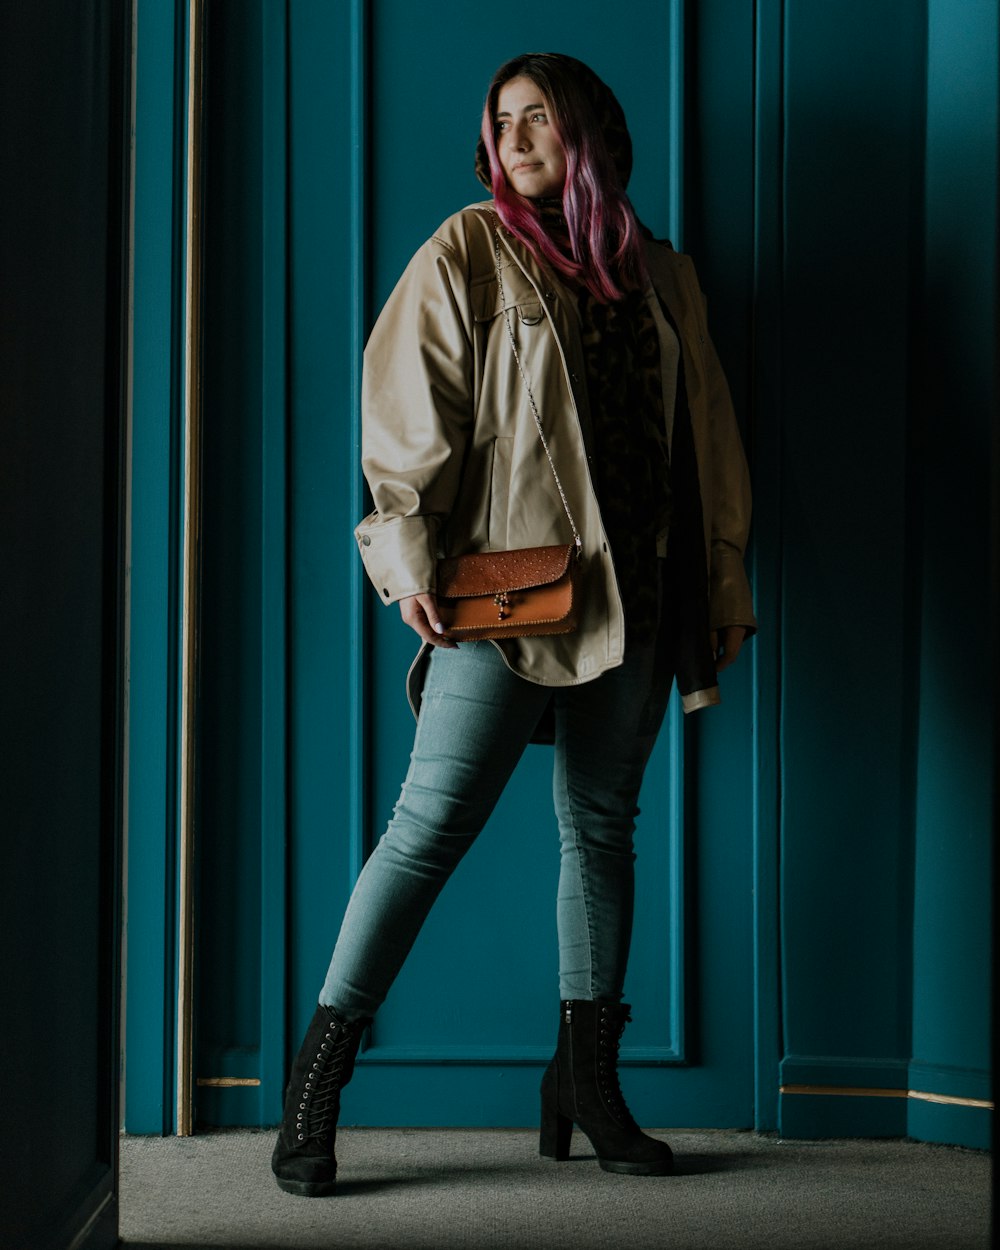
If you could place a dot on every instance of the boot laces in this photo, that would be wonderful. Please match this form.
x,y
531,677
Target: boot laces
x,y
320,1100
608,1042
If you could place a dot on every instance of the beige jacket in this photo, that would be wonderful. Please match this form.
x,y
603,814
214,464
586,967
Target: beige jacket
x,y
453,459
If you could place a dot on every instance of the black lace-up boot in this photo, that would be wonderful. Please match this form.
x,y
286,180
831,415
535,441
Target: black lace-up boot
x,y
580,1086
304,1161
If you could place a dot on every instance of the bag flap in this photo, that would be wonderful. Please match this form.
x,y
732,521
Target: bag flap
x,y
489,572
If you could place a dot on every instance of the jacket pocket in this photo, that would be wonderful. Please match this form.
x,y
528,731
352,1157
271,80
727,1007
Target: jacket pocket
x,y
503,453
519,296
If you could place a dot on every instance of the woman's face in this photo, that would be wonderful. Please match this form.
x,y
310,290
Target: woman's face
x,y
529,149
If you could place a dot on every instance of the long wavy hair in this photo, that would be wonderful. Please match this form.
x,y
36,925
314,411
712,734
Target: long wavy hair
x,y
605,239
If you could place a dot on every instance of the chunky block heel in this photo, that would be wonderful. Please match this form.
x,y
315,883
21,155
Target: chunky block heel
x,y
556,1134
580,1087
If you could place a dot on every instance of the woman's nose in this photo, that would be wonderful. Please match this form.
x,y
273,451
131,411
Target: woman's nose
x,y
518,138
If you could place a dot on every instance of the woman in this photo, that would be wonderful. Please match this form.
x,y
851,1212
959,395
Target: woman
x,y
608,327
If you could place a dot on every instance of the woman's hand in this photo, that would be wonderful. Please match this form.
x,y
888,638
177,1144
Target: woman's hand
x,y
732,640
421,614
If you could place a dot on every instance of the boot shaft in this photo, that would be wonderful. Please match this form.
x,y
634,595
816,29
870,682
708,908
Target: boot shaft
x,y
587,1054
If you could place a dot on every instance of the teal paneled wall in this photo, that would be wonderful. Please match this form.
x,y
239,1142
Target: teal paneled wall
x,y
150,886
243,662
852,188
888,323
231,652
839,197
326,265
956,781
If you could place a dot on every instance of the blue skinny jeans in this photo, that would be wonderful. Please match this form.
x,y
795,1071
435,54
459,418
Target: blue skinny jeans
x,y
475,720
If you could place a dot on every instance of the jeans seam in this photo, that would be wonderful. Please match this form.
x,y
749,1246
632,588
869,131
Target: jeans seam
x,y
584,892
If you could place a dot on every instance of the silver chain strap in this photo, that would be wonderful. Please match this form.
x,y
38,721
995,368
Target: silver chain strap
x,y
531,399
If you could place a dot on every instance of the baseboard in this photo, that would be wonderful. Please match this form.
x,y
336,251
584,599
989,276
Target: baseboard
x,y
229,1089
831,1096
951,1106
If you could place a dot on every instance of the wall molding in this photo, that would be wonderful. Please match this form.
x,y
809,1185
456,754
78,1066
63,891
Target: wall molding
x,y
884,1077
854,1092
838,1096
630,1056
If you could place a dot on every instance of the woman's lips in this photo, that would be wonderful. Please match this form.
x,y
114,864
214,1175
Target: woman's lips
x,y
526,167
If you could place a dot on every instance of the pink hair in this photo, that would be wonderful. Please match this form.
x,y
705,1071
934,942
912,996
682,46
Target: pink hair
x,y
605,238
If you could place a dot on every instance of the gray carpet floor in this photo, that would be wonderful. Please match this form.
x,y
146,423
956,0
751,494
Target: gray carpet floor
x,y
433,1189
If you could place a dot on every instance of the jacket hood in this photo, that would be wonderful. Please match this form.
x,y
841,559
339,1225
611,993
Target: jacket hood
x,y
608,115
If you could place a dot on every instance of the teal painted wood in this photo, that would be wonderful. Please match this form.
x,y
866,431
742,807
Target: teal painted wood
x,y
360,501
885,864
677,115
150,910
327,752
971,1127
237,525
244,679
956,753
951,1081
841,1115
274,543
851,215
733,167
914,1110
767,373
845,1071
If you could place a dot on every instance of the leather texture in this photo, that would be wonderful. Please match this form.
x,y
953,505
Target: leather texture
x,y
509,594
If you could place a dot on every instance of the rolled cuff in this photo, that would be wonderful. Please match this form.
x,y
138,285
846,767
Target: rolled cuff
x,y
697,699
399,554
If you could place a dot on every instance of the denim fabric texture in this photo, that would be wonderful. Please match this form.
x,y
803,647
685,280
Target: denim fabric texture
x,y
475,720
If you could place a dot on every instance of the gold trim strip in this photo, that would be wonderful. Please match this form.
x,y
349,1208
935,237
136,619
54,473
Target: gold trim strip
x,y
228,1082
855,1091
191,520
951,1100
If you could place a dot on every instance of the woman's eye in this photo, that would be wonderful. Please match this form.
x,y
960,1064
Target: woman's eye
x,y
538,117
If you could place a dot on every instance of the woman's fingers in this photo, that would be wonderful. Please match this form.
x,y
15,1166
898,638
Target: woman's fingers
x,y
420,612
732,640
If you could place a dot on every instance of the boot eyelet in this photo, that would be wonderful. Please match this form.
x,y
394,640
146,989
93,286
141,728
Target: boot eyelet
x,y
302,1137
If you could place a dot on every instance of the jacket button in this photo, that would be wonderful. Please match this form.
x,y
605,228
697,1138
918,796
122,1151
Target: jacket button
x,y
385,592
550,294
366,541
